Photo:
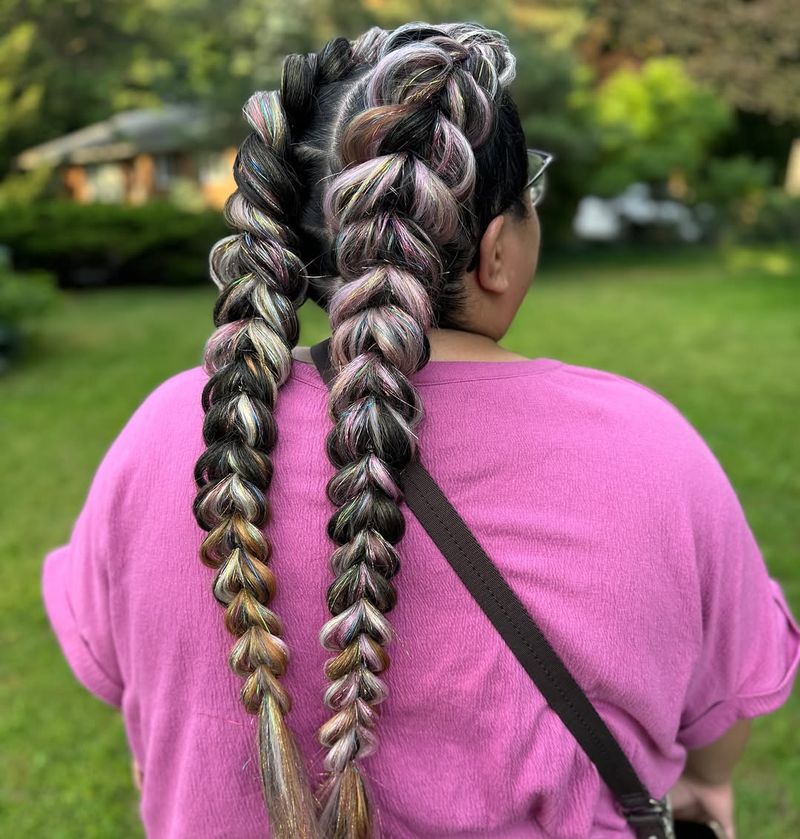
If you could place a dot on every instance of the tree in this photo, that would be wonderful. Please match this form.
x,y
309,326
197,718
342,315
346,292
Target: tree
x,y
651,123
67,64
746,50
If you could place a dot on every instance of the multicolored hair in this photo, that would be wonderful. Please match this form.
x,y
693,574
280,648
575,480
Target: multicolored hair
x,y
365,185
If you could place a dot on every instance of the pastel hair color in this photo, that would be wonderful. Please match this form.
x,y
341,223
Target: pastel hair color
x,y
365,185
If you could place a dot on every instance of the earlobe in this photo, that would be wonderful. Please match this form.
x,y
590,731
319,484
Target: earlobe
x,y
490,274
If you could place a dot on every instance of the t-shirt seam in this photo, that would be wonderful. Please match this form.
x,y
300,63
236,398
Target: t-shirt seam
x,y
465,380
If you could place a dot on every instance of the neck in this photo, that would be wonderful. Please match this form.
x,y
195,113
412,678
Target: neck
x,y
450,345
462,345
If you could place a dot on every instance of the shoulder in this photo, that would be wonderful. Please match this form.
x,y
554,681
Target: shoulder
x,y
182,388
171,411
637,415
172,414
618,390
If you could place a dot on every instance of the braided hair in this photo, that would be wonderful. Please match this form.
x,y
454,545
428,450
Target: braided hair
x,y
365,185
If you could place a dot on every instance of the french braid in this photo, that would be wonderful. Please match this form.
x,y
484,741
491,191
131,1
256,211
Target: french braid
x,y
248,357
397,210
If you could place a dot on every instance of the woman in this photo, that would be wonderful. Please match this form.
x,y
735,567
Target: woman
x,y
388,180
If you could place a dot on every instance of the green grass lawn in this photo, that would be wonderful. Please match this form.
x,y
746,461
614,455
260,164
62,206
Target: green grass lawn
x,y
722,343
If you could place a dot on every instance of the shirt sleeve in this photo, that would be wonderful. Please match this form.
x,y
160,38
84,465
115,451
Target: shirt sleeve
x,y
750,649
78,578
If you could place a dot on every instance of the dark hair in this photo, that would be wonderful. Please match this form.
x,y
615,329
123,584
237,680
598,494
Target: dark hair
x,y
501,168
366,185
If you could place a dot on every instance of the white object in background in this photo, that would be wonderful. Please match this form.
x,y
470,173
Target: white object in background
x,y
604,219
792,182
596,219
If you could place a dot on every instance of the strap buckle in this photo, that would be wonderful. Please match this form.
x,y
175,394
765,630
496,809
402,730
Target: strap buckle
x,y
651,818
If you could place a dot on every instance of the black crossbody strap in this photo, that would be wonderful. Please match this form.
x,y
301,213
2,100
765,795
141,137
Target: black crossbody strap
x,y
649,817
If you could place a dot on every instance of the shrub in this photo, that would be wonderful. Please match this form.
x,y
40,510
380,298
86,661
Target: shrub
x,y
727,181
22,298
770,217
109,244
24,187
648,123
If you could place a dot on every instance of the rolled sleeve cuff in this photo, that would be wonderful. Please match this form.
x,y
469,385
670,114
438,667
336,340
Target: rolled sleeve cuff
x,y
85,666
721,716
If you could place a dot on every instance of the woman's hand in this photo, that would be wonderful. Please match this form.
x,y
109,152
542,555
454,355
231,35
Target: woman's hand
x,y
137,775
697,801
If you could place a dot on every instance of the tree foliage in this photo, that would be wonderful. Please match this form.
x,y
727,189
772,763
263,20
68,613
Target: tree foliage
x,y
67,64
618,90
650,123
746,50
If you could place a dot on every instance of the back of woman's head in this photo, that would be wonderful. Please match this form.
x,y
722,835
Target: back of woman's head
x,y
365,185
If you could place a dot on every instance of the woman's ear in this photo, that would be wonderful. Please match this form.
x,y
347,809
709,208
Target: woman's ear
x,y
490,272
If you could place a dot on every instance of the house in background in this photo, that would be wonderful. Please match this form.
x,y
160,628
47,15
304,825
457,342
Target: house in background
x,y
135,156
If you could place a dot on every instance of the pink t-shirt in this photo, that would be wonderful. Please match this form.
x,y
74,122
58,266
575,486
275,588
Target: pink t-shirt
x,y
600,503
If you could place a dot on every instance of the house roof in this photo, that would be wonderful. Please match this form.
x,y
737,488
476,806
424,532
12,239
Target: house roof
x,y
123,135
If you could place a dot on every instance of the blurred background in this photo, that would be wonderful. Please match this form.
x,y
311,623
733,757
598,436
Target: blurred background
x,y
670,254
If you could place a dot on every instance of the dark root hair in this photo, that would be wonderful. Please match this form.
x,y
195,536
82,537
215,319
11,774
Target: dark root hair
x,y
500,175
366,185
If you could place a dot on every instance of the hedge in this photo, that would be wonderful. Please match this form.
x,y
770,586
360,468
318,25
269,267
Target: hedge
x,y
111,244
